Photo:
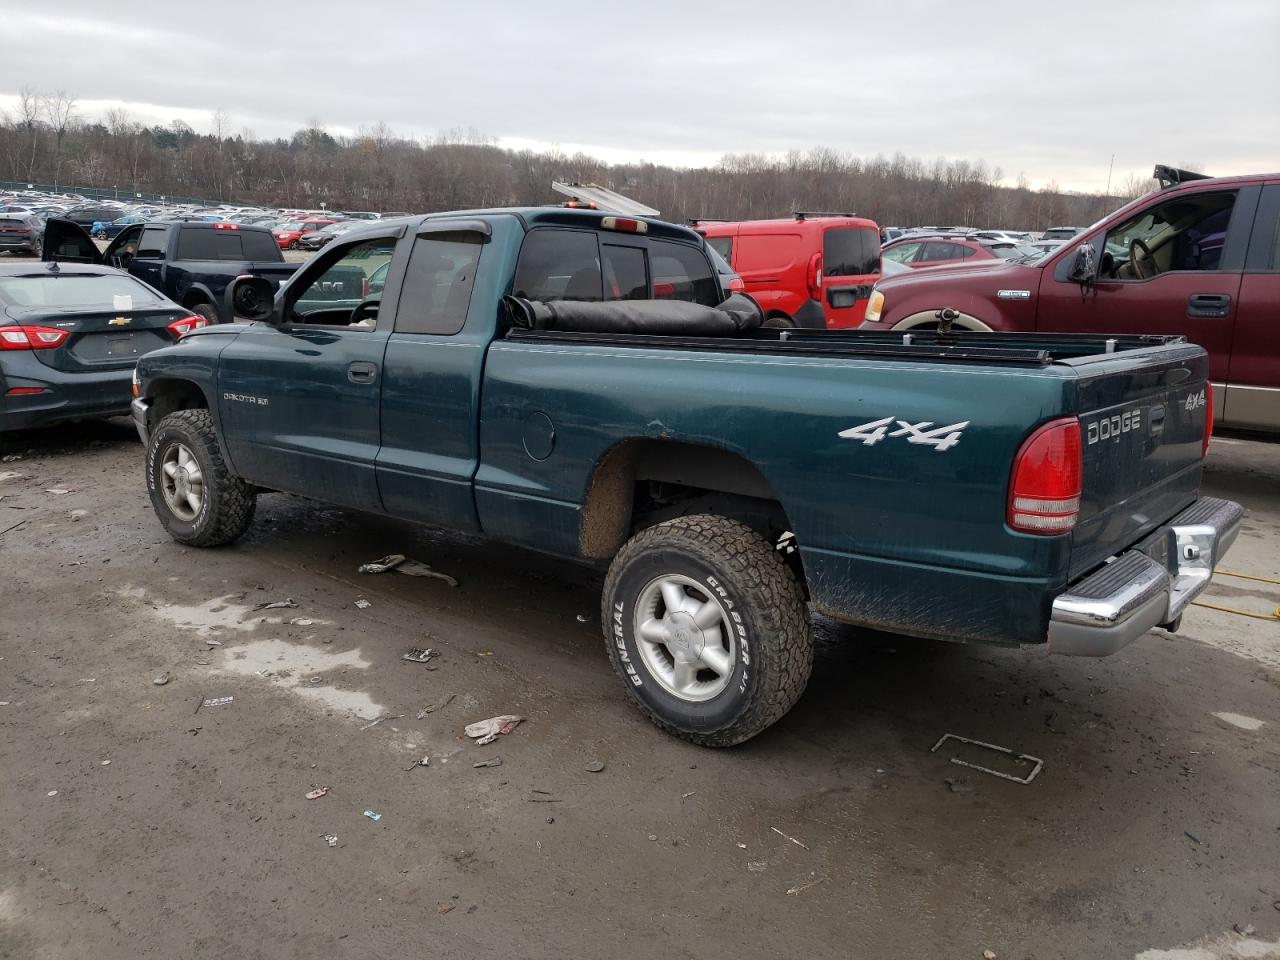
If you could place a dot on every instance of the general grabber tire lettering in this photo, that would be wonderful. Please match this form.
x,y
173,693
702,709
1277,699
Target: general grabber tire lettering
x,y
708,628
193,492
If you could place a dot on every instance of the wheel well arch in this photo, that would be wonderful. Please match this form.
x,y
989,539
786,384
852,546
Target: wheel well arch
x,y
198,294
929,318
170,394
642,481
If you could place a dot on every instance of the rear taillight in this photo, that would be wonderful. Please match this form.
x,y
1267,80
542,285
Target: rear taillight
x,y
31,338
1044,495
1208,420
364,289
180,328
24,391
813,277
737,286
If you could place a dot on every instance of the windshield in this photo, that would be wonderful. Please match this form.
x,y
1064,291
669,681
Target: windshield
x,y
74,290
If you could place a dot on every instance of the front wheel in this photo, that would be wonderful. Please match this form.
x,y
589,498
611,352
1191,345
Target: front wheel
x,y
707,626
193,492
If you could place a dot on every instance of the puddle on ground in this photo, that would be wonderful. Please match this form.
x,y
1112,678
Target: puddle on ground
x,y
284,664
1239,720
1229,946
292,665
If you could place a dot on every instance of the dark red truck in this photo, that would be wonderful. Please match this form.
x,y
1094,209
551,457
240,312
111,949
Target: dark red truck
x,y
1199,257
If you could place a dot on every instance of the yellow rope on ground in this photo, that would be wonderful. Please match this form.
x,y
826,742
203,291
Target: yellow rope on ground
x,y
1245,576
1274,615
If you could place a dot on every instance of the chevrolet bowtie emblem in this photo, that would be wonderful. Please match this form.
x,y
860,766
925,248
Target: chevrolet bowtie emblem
x,y
118,321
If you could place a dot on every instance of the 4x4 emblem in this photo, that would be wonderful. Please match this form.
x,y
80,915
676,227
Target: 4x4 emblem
x,y
940,438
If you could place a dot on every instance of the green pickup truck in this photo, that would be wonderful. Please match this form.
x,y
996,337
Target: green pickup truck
x,y
578,383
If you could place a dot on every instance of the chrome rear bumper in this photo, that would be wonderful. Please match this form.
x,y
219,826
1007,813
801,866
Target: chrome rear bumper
x,y
1147,586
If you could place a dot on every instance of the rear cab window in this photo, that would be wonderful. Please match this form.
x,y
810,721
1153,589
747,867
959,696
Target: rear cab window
x,y
202,243
722,246
570,264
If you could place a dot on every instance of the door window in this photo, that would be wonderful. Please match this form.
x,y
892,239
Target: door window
x,y
850,252
154,243
902,252
1184,233
940,252
437,283
722,246
332,296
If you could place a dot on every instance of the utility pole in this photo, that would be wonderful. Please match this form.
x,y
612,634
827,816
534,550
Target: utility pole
x,y
1109,169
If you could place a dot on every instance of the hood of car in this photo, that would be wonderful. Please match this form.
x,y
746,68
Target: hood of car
x,y
950,273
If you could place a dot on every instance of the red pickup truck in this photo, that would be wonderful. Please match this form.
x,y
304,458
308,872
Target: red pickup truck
x,y
1199,257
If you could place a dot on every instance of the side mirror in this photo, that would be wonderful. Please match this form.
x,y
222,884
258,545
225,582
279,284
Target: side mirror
x,y
1084,268
252,298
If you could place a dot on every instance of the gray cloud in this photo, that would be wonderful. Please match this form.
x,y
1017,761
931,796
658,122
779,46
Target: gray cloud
x,y
1052,90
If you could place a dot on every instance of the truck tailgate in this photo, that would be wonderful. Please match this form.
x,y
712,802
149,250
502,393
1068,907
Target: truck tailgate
x,y
1141,434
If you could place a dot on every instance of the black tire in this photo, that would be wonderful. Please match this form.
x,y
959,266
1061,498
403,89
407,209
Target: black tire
x,y
227,506
293,244
37,247
205,310
779,321
734,564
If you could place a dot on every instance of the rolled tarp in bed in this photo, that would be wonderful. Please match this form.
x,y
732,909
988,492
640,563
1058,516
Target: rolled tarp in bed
x,y
737,315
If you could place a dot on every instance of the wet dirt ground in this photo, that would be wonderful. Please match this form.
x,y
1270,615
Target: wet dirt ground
x,y
133,824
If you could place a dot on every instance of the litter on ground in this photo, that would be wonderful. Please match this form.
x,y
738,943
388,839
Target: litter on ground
x,y
487,731
363,604
491,762
317,793
418,655
1036,763
375,817
401,564
288,603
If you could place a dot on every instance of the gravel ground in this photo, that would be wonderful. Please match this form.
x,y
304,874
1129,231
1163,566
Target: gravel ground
x,y
133,824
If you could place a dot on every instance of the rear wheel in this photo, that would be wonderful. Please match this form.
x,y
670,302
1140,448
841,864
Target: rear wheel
x,y
205,310
779,321
37,247
707,626
193,492
293,244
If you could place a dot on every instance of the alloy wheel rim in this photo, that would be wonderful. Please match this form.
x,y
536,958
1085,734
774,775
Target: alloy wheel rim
x,y
684,637
182,483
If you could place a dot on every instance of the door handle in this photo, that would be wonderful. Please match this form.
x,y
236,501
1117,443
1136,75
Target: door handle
x,y
362,372
1208,306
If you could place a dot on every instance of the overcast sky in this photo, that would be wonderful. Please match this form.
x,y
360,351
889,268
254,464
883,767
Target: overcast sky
x,y
1050,90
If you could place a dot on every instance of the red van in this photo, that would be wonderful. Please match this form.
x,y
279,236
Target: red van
x,y
813,270
1199,257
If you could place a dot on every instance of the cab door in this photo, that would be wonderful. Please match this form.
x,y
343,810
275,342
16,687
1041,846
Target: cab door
x,y
299,398
65,241
1188,286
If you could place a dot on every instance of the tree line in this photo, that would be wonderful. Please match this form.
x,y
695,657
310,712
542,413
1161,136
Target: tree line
x,y
45,139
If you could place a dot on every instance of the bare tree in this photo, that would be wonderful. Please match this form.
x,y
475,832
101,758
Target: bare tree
x,y
29,118
59,109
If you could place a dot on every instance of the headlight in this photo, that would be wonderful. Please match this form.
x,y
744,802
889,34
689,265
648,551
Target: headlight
x,y
875,304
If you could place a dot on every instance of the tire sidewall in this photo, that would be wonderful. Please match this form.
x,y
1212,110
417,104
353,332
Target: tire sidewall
x,y
166,435
705,716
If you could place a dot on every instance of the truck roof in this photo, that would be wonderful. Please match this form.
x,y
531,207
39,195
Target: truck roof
x,y
560,216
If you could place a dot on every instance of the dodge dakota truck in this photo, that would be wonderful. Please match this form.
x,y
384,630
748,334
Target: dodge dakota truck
x,y
577,383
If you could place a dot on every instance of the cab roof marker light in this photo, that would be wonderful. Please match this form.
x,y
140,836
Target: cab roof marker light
x,y
624,225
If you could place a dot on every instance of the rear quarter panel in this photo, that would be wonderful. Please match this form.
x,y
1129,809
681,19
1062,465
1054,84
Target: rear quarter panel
x,y
902,535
